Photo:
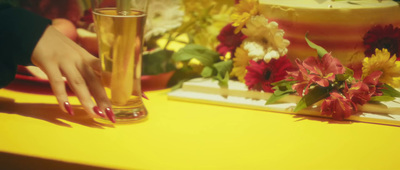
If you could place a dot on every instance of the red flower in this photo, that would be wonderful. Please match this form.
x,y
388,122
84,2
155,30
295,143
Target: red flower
x,y
357,69
300,76
316,71
379,37
362,91
337,106
323,70
260,74
359,93
229,40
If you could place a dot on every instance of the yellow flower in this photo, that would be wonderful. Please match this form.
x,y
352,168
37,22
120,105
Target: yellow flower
x,y
194,6
204,20
240,62
244,10
196,65
381,61
207,34
228,56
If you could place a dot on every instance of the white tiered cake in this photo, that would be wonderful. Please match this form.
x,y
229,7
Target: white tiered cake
x,y
338,26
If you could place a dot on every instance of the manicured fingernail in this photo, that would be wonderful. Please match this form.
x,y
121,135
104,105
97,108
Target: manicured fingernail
x,y
110,114
144,96
97,110
68,107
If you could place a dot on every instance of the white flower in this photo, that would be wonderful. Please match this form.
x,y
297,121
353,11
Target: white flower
x,y
256,50
270,55
162,16
266,34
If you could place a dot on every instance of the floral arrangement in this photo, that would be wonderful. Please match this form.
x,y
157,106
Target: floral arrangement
x,y
226,43
253,50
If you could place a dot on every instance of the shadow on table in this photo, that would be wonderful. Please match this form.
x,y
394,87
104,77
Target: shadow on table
x,y
321,119
13,161
50,113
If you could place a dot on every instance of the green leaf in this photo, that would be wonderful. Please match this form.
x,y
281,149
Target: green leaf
x,y
283,85
384,98
223,67
389,90
207,72
183,74
320,50
342,77
223,81
282,88
314,95
206,56
222,72
275,97
157,62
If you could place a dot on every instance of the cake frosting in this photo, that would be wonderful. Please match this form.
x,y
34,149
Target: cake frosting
x,y
338,26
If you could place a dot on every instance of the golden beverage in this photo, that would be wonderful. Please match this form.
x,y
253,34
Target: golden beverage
x,y
120,50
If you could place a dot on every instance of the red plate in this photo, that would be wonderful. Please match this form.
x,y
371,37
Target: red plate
x,y
26,82
31,84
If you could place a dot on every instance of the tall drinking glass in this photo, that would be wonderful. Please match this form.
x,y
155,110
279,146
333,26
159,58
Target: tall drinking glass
x,y
119,26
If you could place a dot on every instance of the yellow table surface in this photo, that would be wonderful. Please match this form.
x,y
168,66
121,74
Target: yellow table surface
x,y
183,135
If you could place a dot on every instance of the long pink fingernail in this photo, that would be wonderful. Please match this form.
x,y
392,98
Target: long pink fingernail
x,y
110,114
68,107
97,110
144,96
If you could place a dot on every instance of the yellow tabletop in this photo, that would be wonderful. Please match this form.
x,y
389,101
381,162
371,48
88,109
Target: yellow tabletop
x,y
183,135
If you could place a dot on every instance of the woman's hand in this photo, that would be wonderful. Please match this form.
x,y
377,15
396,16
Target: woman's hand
x,y
59,56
